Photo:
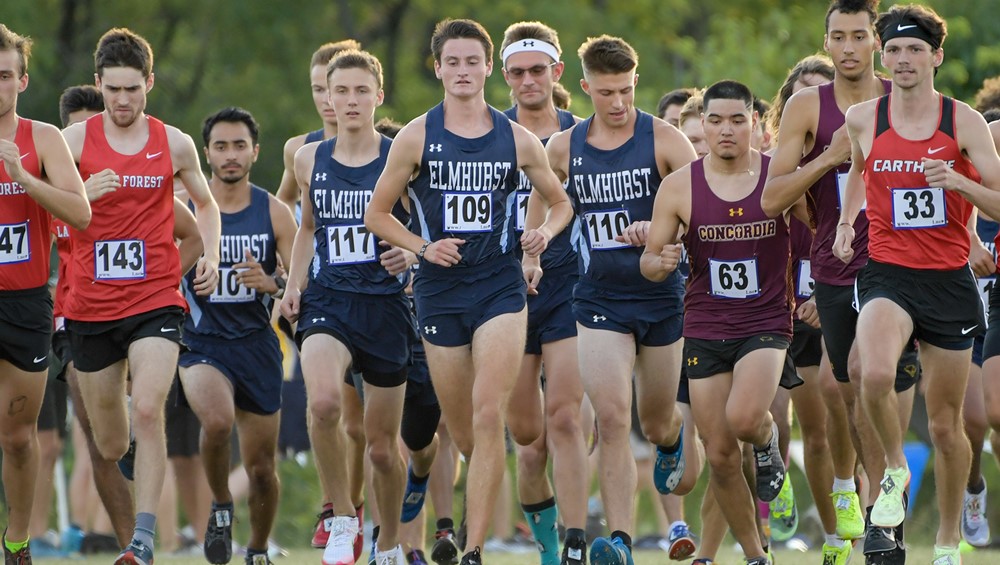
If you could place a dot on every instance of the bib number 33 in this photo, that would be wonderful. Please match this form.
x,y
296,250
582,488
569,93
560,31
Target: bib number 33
x,y
917,208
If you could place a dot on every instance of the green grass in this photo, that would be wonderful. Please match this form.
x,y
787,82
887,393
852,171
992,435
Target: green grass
x,y
920,554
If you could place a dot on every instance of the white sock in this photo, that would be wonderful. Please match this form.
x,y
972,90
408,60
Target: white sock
x,y
833,541
843,484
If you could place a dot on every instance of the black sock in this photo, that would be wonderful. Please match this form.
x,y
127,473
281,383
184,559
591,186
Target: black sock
x,y
538,506
978,488
445,524
575,536
417,480
626,539
374,533
671,448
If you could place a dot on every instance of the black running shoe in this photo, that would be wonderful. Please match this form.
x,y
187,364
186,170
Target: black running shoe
x,y
445,550
219,535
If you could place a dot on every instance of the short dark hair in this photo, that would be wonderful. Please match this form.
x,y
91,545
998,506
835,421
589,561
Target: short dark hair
x,y
676,97
76,98
607,55
989,95
328,51
460,29
122,47
19,43
992,115
926,19
388,127
852,7
232,114
728,90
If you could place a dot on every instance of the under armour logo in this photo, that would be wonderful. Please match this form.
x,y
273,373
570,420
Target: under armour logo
x,y
527,43
692,361
766,338
735,212
599,318
577,161
910,370
430,329
434,147
776,482
314,320
320,177
414,498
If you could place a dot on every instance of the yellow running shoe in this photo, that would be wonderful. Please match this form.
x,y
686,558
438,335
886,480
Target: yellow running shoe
x,y
889,510
837,555
850,522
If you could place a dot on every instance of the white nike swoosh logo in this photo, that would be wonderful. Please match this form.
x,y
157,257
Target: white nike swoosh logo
x,y
153,155
25,155
167,330
965,331
933,151
40,359
901,27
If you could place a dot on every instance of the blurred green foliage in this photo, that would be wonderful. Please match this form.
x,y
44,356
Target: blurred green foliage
x,y
255,53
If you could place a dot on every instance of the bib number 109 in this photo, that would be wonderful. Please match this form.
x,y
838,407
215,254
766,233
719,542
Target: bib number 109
x,y
468,212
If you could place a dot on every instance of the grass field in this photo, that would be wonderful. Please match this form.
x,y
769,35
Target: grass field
x,y
920,554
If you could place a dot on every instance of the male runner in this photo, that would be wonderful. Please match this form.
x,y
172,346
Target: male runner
x,y
530,53
37,181
461,160
231,370
812,135
739,262
614,161
125,305
915,149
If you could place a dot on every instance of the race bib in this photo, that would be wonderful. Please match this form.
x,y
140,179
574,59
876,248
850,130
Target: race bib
x,y
348,245
842,190
229,289
120,260
603,227
14,244
468,212
804,282
734,279
918,208
986,285
522,211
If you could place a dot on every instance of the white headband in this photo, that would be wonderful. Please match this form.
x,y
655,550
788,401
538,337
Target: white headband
x,y
530,45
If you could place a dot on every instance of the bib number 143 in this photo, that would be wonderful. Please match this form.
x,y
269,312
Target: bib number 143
x,y
120,260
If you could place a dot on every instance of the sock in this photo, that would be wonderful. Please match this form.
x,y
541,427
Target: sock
x,y
415,479
843,484
251,552
763,510
833,541
375,530
542,518
626,539
978,488
145,525
575,536
445,524
671,448
15,546
217,506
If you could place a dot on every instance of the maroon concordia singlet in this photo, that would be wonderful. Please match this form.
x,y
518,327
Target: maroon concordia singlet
x,y
914,225
824,200
801,263
25,227
739,264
